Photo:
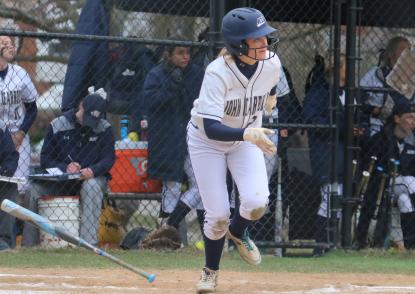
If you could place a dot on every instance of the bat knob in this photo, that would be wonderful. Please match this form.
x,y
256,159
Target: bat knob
x,y
151,278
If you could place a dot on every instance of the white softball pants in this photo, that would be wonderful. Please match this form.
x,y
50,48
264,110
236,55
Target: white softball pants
x,y
23,167
172,191
210,160
404,186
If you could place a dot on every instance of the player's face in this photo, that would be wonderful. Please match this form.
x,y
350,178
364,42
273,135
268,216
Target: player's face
x,y
405,122
398,51
257,47
80,114
180,56
7,49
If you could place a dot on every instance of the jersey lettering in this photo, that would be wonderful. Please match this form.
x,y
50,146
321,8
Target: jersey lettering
x,y
16,114
250,106
10,97
253,104
233,107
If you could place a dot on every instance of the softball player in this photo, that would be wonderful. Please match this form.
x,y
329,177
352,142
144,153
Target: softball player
x,y
379,104
18,107
225,132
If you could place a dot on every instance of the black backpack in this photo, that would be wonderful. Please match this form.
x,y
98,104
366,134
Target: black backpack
x,y
133,238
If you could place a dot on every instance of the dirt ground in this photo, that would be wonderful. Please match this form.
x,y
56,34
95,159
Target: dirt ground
x,y
30,280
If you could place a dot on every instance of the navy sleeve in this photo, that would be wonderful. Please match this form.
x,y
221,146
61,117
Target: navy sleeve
x,y
49,152
106,154
273,91
9,156
215,130
30,116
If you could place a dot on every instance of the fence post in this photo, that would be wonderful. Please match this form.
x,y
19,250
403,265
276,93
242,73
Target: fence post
x,y
350,107
216,12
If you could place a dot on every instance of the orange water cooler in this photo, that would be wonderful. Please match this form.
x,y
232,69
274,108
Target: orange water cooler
x,y
129,172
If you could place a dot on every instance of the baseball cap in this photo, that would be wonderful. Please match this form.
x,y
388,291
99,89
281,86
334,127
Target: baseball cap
x,y
402,106
94,107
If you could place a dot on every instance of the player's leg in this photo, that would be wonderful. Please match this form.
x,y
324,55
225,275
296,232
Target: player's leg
x,y
23,167
22,171
189,200
271,161
171,192
209,166
9,191
92,193
247,166
405,192
30,236
324,214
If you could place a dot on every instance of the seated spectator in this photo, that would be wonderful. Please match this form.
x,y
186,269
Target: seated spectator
x,y
379,104
169,91
79,141
8,163
389,144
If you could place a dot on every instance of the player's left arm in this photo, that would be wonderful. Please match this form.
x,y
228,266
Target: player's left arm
x,y
271,103
29,95
279,88
29,118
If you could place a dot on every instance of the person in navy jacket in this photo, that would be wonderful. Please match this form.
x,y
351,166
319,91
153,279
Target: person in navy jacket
x,y
316,110
168,92
79,141
9,158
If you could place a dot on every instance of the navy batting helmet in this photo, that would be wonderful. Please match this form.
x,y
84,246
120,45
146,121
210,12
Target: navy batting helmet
x,y
240,24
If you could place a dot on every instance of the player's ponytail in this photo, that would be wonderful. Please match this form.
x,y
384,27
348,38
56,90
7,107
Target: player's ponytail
x,y
225,54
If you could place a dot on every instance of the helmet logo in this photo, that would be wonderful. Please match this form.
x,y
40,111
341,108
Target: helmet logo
x,y
260,21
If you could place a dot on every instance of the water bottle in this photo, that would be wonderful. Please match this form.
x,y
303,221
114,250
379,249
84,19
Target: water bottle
x,y
124,127
144,129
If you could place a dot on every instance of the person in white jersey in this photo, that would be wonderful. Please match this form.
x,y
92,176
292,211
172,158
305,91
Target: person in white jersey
x,y
225,132
18,108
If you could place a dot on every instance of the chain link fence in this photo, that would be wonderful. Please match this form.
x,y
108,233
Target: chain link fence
x,y
131,51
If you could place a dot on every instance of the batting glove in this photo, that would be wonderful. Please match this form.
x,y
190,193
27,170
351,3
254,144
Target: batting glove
x,y
259,137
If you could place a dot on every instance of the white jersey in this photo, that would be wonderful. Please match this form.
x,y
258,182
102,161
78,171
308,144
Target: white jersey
x,y
16,88
282,89
228,96
282,85
371,79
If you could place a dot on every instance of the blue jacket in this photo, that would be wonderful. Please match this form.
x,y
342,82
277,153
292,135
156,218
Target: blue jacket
x,y
168,105
316,111
9,156
67,141
89,60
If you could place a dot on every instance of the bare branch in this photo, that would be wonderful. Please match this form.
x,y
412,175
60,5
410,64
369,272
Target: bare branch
x,y
20,15
47,58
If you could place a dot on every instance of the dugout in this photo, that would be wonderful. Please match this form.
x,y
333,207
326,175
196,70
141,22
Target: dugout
x,y
351,13
339,14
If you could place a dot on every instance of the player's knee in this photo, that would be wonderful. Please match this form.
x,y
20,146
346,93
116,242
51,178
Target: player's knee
x,y
216,228
254,210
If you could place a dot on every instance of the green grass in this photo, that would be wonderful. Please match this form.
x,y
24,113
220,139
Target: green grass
x,y
370,261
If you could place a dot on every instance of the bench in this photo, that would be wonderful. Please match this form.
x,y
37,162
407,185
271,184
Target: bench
x,y
133,196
